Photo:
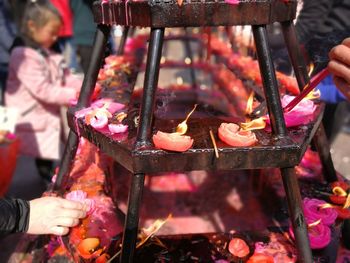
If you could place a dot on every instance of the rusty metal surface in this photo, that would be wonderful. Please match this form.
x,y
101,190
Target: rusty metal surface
x,y
268,152
193,13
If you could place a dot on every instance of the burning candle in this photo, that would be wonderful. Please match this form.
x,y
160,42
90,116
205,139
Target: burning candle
x,y
319,234
230,134
301,114
175,141
313,209
308,88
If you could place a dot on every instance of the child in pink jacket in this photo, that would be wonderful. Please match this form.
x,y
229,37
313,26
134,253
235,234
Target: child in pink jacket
x,y
38,86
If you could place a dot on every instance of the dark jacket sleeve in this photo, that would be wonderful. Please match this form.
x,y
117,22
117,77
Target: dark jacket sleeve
x,y
312,17
14,216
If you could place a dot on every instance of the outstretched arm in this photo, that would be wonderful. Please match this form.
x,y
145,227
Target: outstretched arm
x,y
45,215
14,216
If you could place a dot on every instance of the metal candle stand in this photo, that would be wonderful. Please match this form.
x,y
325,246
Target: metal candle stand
x,y
158,15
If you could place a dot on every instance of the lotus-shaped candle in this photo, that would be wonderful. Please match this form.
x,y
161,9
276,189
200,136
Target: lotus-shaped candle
x,y
300,114
175,141
230,134
117,128
81,196
172,141
318,219
313,210
319,234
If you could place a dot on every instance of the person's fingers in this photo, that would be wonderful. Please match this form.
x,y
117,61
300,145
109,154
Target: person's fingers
x,y
59,230
346,42
73,213
338,69
340,53
72,204
343,86
65,221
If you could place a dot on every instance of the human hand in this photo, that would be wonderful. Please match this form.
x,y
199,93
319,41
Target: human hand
x,y
339,66
54,215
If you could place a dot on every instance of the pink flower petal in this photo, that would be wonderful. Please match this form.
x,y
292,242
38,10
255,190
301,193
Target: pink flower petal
x,y
77,195
91,205
81,113
111,106
117,128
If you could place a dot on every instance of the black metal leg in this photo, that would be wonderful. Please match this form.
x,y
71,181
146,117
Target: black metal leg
x,y
295,55
269,81
321,143
87,89
319,140
189,54
143,137
122,42
150,86
279,128
296,215
132,218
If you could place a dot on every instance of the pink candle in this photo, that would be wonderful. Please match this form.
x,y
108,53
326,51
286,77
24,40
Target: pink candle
x,y
313,210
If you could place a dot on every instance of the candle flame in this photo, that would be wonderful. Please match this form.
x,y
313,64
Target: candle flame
x,y
256,124
182,127
311,69
249,107
121,116
314,223
147,233
347,202
339,191
315,94
324,206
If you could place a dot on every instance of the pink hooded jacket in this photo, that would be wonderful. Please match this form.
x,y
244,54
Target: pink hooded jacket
x,y
36,88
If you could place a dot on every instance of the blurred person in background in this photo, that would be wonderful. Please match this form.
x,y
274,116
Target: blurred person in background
x,y
84,30
8,33
320,25
38,85
65,36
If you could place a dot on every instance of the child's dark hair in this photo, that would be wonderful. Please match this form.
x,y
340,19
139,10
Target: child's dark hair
x,y
40,12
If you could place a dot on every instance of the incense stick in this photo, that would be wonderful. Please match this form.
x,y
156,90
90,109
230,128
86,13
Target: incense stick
x,y
214,143
307,89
